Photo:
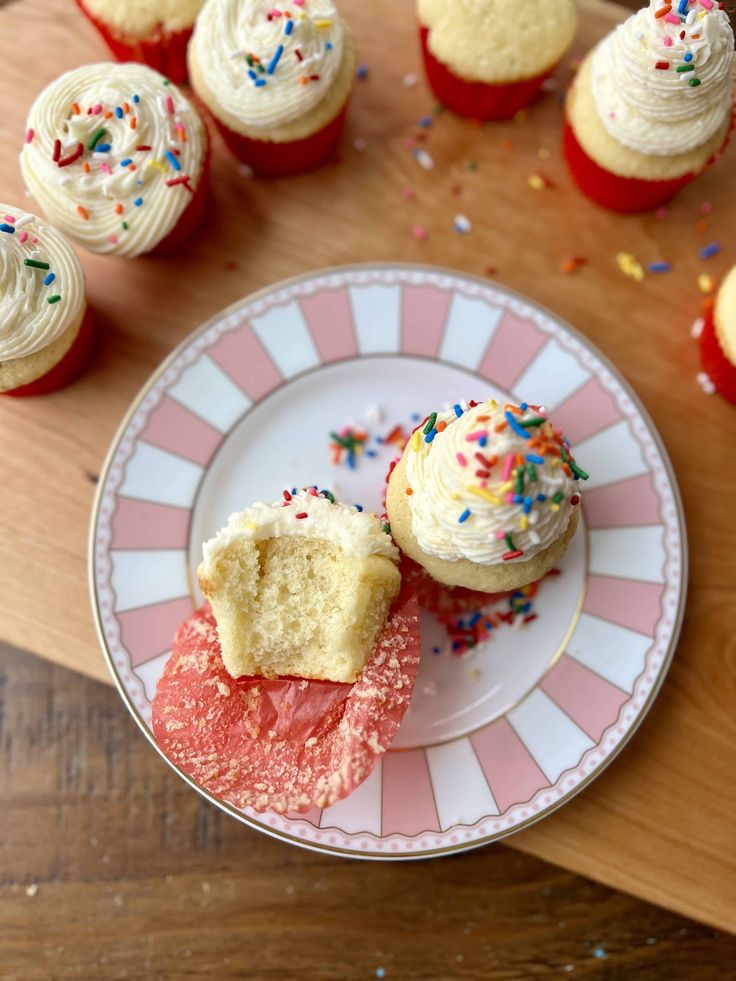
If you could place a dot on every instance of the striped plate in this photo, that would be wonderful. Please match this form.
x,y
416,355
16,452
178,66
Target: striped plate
x,y
244,407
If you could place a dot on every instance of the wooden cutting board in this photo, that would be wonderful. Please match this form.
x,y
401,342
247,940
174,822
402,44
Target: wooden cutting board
x,y
659,823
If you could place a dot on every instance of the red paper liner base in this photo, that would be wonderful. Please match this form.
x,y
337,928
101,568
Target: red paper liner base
x,y
435,597
624,194
286,744
477,100
192,216
269,159
716,365
65,371
165,51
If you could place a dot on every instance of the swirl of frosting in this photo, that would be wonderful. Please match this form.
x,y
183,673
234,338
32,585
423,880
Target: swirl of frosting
x,y
266,64
490,484
41,284
113,154
140,18
662,83
304,515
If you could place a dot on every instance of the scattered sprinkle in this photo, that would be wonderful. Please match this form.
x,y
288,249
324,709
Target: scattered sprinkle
x,y
630,266
462,224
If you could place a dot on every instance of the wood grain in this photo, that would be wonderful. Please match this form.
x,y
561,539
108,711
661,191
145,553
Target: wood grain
x,y
660,822
111,868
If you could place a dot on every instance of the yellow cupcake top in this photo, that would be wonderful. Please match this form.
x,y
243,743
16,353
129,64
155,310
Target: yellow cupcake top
x,y
140,18
725,316
498,41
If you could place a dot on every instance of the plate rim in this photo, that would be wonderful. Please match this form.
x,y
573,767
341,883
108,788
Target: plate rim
x,y
417,268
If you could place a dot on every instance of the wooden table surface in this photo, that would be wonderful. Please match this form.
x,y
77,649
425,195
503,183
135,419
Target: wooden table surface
x,y
110,867
659,822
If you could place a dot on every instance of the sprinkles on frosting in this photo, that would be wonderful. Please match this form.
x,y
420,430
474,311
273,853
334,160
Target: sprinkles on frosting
x,y
110,130
682,21
10,225
262,70
518,479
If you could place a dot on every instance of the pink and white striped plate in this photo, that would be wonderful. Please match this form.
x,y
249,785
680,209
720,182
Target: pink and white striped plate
x,y
244,407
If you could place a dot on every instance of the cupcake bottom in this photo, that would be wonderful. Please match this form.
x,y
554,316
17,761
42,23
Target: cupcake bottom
x,y
717,366
499,578
164,51
68,368
192,216
624,194
477,100
270,159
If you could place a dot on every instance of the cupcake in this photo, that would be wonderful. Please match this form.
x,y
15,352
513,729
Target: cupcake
x,y
155,32
45,327
118,159
718,339
485,497
276,79
300,587
487,62
284,694
651,106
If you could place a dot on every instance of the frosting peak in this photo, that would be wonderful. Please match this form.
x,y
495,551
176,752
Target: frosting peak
x,y
662,81
490,483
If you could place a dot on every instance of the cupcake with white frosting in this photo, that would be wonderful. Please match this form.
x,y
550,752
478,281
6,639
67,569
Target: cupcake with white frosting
x,y
652,104
45,328
155,32
118,159
717,334
276,77
487,59
485,497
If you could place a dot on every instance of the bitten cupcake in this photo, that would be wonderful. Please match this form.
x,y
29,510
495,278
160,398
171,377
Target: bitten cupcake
x,y
118,159
487,59
485,497
45,327
276,78
651,106
718,339
300,587
284,694
155,32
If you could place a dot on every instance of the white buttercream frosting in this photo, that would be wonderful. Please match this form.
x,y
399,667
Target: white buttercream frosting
x,y
482,487
113,195
141,18
679,105
268,63
355,532
37,304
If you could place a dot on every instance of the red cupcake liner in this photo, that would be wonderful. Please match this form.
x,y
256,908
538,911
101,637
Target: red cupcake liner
x,y
64,371
443,601
477,100
164,51
624,194
192,216
269,159
285,744
716,365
